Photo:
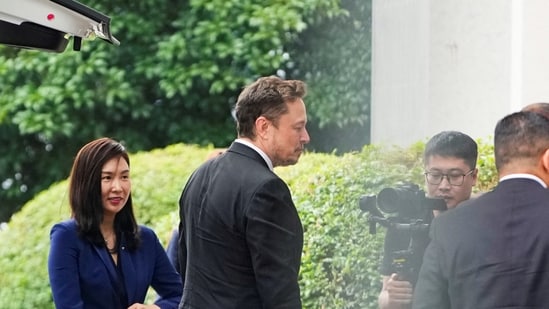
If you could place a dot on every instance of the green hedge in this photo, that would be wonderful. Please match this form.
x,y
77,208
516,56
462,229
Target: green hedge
x,y
340,257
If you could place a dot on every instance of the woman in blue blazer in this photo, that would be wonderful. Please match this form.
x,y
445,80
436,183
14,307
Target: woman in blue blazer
x,y
101,258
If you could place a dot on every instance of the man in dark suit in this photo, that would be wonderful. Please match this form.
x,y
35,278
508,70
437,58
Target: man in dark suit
x,y
493,251
241,238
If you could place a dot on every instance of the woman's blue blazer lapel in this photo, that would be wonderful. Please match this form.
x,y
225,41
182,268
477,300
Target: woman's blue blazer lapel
x,y
110,267
129,270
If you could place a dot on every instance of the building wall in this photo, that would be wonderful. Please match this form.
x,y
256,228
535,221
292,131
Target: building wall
x,y
454,65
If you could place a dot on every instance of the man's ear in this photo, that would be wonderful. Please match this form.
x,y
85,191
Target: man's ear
x,y
475,176
545,160
262,125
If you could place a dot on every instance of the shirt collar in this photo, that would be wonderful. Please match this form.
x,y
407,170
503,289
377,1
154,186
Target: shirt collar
x,y
258,150
528,176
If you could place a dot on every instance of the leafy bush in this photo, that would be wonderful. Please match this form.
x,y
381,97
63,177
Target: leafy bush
x,y
340,257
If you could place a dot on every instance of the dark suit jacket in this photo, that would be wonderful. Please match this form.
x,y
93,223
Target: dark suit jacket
x,y
491,252
241,236
172,249
83,275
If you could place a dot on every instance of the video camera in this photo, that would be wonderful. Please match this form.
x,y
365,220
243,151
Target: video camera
x,y
403,209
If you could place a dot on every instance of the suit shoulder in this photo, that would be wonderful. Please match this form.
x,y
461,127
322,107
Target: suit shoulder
x,y
65,231
466,212
146,232
65,226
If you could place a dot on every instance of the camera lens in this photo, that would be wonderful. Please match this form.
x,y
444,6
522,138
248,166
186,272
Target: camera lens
x,y
389,200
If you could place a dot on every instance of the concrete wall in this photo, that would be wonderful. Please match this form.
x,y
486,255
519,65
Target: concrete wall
x,y
455,65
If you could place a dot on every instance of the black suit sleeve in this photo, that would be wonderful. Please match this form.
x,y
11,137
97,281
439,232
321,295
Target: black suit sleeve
x,y
181,252
431,290
275,239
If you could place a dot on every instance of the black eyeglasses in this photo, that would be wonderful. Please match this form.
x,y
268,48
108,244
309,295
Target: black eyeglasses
x,y
454,179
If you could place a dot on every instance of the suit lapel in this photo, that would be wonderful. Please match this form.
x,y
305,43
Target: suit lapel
x,y
129,270
107,262
109,266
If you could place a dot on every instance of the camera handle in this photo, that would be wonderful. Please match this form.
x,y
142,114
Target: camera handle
x,y
401,264
406,263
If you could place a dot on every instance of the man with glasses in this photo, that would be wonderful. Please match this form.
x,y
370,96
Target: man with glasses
x,y
449,159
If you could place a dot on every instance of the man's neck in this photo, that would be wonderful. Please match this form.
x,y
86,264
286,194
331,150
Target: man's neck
x,y
248,142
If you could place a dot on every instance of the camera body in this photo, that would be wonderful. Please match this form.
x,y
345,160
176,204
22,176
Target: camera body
x,y
404,203
408,202
407,213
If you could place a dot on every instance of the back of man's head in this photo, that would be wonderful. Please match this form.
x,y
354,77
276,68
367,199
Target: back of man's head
x,y
540,108
452,144
520,141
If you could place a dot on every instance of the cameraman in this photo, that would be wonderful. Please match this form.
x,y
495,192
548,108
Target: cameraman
x,y
450,173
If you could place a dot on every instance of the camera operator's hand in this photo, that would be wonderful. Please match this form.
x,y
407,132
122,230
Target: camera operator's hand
x,y
396,294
